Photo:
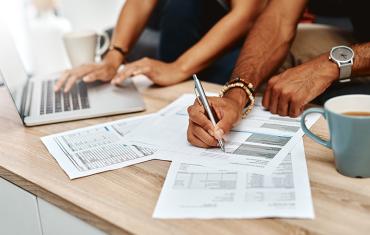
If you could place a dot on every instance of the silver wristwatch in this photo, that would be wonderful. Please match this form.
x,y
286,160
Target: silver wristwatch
x,y
343,56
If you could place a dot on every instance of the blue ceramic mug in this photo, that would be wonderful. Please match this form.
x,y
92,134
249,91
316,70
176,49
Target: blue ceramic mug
x,y
349,126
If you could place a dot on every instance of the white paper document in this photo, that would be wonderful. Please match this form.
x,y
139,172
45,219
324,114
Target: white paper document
x,y
98,148
258,143
195,190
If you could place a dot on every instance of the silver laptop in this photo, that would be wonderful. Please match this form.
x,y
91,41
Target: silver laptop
x,y
38,104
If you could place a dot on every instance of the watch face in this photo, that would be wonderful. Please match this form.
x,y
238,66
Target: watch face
x,y
342,54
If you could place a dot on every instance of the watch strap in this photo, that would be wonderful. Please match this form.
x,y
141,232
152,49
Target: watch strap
x,y
345,71
345,67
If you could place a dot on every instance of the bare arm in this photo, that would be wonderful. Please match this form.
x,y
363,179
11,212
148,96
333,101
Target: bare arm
x,y
264,50
361,65
268,43
130,24
289,92
221,36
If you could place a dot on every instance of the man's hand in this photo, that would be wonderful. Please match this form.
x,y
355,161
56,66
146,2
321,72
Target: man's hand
x,y
161,73
201,132
288,92
104,71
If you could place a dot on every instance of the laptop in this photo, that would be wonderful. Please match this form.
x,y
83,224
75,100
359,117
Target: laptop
x,y
37,103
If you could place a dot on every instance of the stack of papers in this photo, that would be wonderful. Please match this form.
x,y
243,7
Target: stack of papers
x,y
194,190
262,173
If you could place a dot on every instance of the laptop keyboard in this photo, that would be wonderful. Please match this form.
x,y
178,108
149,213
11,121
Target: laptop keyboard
x,y
55,102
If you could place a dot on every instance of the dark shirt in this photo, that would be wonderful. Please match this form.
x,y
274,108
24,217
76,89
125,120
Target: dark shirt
x,y
355,10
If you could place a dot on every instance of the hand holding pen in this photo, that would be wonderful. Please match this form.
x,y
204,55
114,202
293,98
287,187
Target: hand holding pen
x,y
212,116
228,109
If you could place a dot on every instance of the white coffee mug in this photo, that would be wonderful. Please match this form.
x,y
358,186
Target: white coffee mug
x,y
83,46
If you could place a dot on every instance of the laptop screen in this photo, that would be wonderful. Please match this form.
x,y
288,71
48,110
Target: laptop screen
x,y
12,70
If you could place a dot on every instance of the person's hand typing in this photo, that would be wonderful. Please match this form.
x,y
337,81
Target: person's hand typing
x,y
104,71
201,132
161,73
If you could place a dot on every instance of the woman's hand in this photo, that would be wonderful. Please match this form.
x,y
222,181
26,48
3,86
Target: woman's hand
x,y
201,132
161,73
104,71
228,109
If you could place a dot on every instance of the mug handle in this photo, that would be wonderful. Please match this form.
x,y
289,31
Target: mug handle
x,y
308,132
100,50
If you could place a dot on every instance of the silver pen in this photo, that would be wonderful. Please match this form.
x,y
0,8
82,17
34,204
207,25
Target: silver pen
x,y
201,95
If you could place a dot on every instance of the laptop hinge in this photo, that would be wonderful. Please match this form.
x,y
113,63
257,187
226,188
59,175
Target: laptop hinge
x,y
26,99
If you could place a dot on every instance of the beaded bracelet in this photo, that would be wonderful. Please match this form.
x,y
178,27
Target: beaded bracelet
x,y
247,87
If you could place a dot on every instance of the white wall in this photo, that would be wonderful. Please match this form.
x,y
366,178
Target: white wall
x,y
91,14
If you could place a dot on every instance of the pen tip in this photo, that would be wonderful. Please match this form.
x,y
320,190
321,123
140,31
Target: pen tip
x,y
222,148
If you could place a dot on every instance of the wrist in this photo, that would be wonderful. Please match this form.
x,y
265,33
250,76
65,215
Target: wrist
x,y
330,68
239,96
184,67
184,72
113,58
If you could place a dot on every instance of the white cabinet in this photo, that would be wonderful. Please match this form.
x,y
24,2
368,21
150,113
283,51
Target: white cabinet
x,y
55,221
23,213
18,211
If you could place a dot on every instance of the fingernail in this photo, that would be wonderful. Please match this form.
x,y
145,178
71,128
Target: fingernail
x,y
219,133
86,78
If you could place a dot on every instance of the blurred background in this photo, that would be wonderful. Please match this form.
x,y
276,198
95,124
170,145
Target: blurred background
x,y
37,27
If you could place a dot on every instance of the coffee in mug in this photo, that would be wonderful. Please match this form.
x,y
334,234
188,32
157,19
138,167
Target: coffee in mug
x,y
348,117
359,114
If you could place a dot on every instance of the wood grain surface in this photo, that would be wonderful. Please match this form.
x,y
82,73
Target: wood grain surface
x,y
122,201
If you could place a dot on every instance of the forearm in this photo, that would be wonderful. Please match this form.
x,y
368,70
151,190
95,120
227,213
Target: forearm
x,y
269,41
361,65
361,62
131,22
220,37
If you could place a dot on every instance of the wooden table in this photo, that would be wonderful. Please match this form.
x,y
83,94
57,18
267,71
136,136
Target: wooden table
x,y
122,201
